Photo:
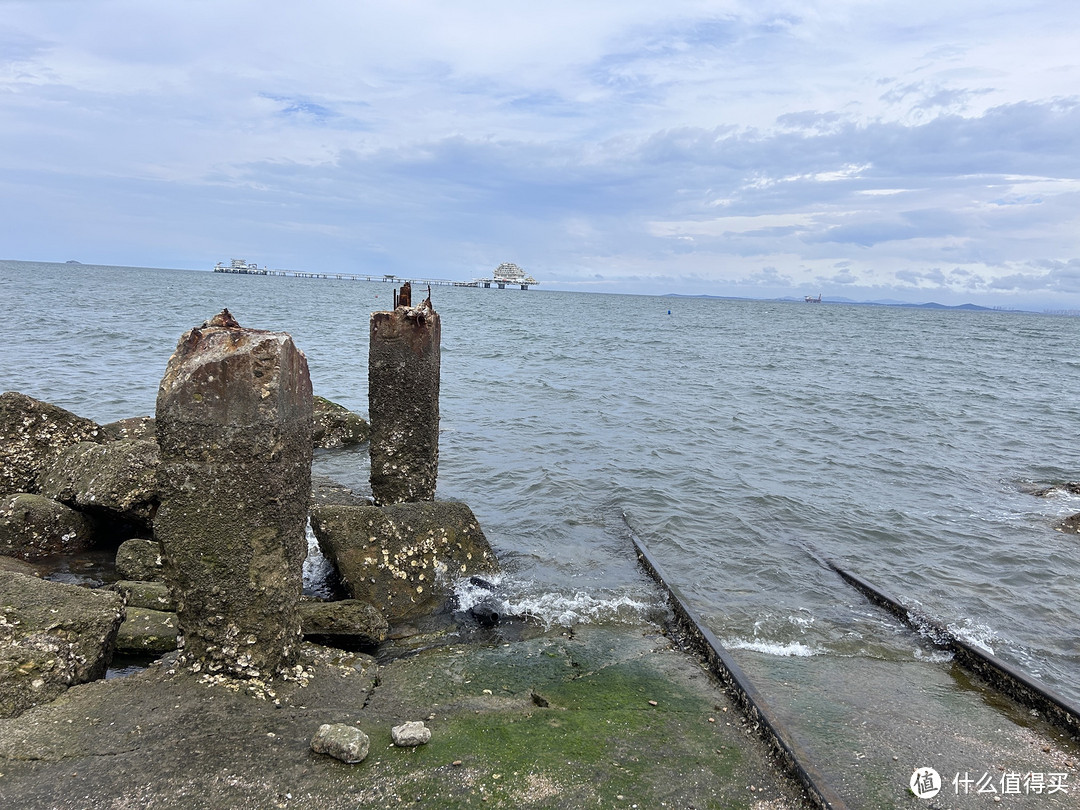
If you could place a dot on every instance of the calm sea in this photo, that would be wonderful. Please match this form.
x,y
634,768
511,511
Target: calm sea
x,y
742,441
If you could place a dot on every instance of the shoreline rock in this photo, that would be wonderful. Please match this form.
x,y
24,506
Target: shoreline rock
x,y
52,636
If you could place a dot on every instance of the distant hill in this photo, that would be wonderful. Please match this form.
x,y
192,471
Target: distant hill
x,y
884,302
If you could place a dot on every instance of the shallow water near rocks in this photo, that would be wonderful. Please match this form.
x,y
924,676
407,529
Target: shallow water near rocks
x,y
742,441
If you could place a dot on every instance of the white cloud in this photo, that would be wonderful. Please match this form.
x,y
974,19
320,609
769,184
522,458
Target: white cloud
x,y
917,146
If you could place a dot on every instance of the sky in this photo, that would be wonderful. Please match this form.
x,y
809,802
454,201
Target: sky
x,y
864,149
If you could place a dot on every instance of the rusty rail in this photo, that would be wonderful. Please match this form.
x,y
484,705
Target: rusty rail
x,y
750,700
988,667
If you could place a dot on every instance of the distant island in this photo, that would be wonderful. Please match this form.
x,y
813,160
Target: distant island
x,y
850,302
72,261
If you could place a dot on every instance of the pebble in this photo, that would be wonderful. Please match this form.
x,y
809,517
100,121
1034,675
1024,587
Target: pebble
x,y
411,734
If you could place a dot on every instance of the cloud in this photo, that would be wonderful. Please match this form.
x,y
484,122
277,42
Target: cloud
x,y
725,146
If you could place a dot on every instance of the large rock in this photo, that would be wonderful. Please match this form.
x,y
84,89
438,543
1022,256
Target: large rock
x,y
336,426
234,425
135,427
142,594
32,435
140,559
117,479
403,558
33,526
147,631
348,620
52,636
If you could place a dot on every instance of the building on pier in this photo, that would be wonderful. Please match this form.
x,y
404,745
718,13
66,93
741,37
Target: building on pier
x,y
506,274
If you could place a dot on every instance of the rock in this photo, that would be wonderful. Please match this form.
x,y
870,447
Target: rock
x,y
234,425
485,613
1070,525
32,435
326,491
117,479
336,426
140,559
348,619
403,558
410,734
52,636
33,526
142,594
347,743
136,427
147,631
18,567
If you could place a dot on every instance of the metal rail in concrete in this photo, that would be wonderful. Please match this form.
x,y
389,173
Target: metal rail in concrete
x,y
991,669
749,698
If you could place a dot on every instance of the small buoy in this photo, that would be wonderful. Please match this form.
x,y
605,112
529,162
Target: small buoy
x,y
669,312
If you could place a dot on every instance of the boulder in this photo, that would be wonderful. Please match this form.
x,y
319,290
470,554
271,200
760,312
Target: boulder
x,y
336,426
149,595
140,559
147,631
403,558
338,740
32,435
52,636
117,479
234,426
33,526
345,620
135,427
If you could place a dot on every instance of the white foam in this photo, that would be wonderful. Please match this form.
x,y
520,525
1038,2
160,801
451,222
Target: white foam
x,y
316,567
551,607
977,635
791,649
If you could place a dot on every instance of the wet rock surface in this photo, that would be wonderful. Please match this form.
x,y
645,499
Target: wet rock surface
x,y
167,738
52,636
134,427
117,479
33,526
32,435
403,557
147,631
347,620
336,426
140,559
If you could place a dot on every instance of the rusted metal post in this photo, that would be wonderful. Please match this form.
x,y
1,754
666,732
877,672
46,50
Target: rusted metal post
x,y
234,424
403,400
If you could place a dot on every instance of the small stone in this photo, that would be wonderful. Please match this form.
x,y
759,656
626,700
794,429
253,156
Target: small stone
x,y
456,763
341,741
652,703
411,734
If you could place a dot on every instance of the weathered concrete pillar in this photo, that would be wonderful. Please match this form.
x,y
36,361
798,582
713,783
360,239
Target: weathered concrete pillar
x,y
234,423
403,401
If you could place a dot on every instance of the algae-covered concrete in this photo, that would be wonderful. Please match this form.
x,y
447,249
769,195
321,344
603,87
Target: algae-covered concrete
x,y
870,722
599,718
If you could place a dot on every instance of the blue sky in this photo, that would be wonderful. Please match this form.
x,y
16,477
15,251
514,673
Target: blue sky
x,y
919,151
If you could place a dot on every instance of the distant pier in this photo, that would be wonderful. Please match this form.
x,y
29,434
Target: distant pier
x,y
506,275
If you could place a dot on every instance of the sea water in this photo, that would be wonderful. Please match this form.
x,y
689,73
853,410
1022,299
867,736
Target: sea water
x,y
743,441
